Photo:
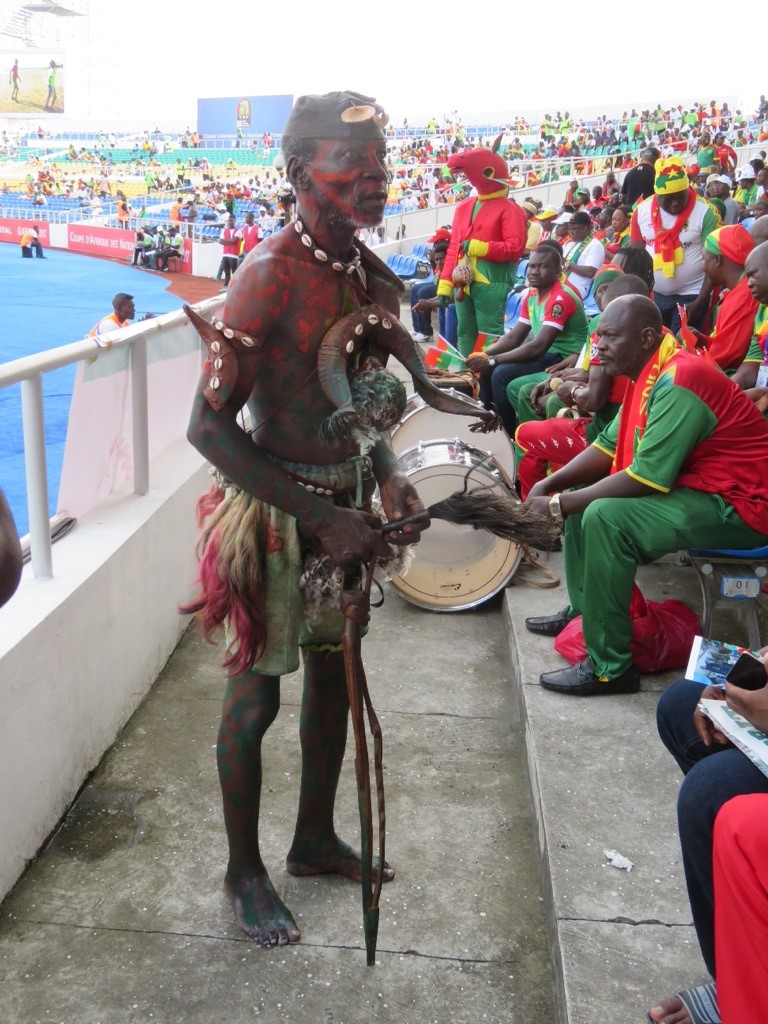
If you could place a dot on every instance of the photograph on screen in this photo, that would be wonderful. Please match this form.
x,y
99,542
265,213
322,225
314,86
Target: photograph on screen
x,y
34,83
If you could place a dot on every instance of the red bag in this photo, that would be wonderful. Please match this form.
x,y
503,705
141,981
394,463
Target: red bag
x,y
662,634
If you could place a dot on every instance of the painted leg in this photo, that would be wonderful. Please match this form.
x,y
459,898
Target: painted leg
x,y
316,849
250,706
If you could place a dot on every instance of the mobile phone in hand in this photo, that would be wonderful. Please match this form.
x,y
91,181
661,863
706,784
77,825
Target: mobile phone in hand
x,y
748,673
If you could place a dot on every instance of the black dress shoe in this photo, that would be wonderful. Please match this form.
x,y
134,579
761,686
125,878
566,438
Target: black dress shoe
x,y
581,681
549,625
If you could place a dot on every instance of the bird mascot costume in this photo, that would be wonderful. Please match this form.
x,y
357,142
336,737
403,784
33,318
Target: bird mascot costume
x,y
487,241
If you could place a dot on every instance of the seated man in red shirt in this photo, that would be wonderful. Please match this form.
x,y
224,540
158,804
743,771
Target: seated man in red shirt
x,y
752,375
732,306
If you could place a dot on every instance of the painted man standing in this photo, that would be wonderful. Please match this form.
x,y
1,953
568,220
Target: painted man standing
x,y
293,492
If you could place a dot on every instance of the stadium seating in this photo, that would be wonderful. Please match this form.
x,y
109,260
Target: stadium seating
x,y
404,266
512,310
590,306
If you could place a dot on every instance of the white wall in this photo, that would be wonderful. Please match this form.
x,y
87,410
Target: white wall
x,y
206,258
79,652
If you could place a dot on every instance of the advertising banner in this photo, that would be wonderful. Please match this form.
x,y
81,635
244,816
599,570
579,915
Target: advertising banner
x,y
115,243
11,230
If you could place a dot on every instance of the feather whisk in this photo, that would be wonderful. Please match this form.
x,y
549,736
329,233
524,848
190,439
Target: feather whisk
x,y
487,508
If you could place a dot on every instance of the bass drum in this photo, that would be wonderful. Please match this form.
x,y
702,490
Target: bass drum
x,y
454,567
420,422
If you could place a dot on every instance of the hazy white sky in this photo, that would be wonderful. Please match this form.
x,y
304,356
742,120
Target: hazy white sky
x,y
149,62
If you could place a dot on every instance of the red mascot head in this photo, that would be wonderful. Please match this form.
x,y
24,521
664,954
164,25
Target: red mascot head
x,y
484,168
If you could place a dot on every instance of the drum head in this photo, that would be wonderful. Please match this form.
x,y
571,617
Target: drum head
x,y
422,423
454,567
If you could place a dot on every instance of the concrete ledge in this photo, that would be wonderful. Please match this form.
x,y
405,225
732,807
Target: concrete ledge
x,y
601,780
79,652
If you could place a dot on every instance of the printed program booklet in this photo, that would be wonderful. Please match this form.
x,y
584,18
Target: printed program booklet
x,y
712,660
746,737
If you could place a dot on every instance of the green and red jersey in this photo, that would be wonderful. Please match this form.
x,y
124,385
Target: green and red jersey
x,y
701,432
756,350
561,308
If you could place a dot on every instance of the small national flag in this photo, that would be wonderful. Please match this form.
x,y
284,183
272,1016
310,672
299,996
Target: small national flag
x,y
686,335
443,356
691,342
483,341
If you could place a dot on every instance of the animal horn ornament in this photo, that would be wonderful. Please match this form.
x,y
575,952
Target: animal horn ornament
x,y
349,340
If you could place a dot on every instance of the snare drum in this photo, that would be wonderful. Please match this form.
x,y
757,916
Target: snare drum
x,y
420,422
454,567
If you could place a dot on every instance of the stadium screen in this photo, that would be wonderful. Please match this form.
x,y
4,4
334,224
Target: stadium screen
x,y
34,82
251,116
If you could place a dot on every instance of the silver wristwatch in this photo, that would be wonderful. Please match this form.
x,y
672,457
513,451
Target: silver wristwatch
x,y
491,361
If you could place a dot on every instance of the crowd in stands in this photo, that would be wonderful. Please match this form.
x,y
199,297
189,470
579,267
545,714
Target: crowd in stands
x,y
559,145
639,428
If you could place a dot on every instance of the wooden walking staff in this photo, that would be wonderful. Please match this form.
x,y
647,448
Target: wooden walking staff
x,y
356,606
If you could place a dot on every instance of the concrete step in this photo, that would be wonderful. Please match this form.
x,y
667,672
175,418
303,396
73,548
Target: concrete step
x,y
601,780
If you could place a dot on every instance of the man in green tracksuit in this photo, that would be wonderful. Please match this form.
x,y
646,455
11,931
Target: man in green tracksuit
x,y
677,468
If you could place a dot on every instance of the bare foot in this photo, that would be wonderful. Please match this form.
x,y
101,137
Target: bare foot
x,y
670,1011
260,912
336,859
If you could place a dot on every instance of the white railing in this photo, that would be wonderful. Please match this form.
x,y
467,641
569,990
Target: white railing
x,y
28,372
75,215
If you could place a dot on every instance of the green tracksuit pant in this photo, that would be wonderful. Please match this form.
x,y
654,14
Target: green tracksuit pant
x,y
605,544
482,310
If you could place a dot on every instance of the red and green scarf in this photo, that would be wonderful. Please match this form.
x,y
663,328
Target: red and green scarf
x,y
667,250
634,412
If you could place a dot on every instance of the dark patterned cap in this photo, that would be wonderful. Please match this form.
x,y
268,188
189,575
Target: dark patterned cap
x,y
337,115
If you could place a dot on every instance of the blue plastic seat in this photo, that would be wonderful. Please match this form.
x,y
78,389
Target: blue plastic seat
x,y
410,265
512,310
713,567
747,554
588,302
